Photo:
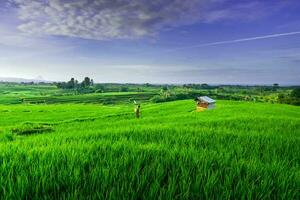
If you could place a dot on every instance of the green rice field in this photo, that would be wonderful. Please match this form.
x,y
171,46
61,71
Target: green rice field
x,y
240,150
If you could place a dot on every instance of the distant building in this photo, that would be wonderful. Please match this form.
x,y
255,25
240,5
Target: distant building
x,y
204,103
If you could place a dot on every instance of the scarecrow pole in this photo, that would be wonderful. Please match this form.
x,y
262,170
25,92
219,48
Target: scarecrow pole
x,y
137,110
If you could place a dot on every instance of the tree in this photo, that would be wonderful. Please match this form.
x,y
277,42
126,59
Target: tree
x,y
281,98
296,93
275,86
124,89
165,88
86,82
71,84
58,85
205,86
293,98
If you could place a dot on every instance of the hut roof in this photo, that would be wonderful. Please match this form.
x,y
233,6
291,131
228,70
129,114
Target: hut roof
x,y
206,99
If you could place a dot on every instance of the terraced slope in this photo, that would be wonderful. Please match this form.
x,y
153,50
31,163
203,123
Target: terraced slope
x,y
72,151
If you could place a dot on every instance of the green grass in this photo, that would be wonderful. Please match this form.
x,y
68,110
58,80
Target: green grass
x,y
237,151
49,94
101,98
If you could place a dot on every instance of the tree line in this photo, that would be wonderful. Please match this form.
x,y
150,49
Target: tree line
x,y
293,98
75,84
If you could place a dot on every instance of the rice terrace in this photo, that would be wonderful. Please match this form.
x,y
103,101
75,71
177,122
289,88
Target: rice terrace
x,y
136,99
62,149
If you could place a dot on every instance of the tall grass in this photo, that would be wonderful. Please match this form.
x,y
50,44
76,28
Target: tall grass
x,y
237,151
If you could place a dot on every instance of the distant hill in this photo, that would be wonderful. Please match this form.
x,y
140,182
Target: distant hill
x,y
20,80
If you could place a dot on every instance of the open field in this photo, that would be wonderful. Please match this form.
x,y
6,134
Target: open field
x,y
149,100
239,150
47,94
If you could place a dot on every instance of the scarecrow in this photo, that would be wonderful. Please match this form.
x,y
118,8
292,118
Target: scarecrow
x,y
137,110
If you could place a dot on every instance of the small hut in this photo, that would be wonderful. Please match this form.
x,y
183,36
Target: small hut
x,y
204,103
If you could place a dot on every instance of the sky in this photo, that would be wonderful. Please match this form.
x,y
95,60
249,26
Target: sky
x,y
158,41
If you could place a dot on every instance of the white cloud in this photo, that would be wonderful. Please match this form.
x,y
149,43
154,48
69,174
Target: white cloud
x,y
121,19
103,19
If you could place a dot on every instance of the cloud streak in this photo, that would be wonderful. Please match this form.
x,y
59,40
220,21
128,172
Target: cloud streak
x,y
237,41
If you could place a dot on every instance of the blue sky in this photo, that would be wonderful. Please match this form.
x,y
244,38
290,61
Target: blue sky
x,y
159,41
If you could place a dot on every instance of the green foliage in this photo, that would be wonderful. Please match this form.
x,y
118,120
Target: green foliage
x,y
293,98
240,150
275,86
168,96
113,98
124,89
86,82
73,84
6,137
296,93
72,147
47,93
199,86
28,129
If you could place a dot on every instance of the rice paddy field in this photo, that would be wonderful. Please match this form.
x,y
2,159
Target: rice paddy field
x,y
240,150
